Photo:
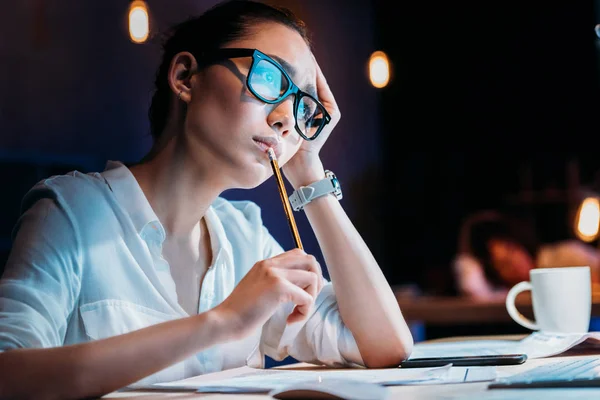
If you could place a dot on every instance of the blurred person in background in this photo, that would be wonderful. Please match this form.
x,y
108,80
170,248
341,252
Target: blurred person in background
x,y
496,251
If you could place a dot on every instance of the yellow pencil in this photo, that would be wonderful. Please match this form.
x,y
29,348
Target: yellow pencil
x,y
284,198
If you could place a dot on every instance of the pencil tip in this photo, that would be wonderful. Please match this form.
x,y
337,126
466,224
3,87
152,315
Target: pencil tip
x,y
271,153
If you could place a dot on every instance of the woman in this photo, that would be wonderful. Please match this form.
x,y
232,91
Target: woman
x,y
497,251
146,272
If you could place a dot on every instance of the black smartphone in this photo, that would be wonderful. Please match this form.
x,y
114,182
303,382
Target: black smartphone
x,y
465,361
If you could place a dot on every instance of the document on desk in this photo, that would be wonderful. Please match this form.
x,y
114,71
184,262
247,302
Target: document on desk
x,y
536,345
541,344
250,380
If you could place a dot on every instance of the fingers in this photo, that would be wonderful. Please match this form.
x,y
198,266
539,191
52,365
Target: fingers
x,y
323,90
322,84
298,278
294,259
298,259
298,271
306,280
301,299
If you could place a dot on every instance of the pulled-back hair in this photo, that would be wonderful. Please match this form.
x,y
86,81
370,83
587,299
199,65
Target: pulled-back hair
x,y
227,21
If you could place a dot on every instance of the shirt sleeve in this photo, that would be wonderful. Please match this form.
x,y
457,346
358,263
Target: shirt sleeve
x,y
470,277
322,338
41,281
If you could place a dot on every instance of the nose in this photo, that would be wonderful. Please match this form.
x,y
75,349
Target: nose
x,y
281,118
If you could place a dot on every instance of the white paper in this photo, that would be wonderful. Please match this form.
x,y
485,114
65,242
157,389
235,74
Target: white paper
x,y
353,389
536,345
471,374
264,380
544,344
251,380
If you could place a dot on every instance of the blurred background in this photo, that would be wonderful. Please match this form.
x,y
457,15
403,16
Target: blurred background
x,y
489,105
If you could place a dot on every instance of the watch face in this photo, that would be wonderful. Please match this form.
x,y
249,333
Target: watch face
x,y
336,184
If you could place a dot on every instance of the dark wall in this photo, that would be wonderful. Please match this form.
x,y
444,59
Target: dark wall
x,y
74,92
481,89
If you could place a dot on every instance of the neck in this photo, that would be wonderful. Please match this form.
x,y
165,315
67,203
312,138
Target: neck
x,y
178,188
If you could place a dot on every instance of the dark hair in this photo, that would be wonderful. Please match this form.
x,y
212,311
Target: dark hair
x,y
484,226
219,25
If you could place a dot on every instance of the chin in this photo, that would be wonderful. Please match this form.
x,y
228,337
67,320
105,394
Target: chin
x,y
253,177
249,185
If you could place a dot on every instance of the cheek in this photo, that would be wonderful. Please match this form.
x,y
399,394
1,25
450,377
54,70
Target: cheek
x,y
219,96
292,144
220,103
216,114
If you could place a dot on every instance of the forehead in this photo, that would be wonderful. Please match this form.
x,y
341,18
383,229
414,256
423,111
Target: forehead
x,y
282,42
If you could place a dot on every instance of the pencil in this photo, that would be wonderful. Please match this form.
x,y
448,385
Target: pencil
x,y
284,198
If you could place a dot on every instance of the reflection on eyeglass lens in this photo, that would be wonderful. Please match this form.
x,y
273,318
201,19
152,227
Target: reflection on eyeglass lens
x,y
269,82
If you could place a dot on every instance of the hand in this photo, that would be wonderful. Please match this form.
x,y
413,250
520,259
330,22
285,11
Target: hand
x,y
305,166
293,276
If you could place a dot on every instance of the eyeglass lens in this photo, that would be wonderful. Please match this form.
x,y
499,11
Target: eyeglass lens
x,y
269,82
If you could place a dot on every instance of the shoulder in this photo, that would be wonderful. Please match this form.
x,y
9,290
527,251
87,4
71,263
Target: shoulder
x,y
78,195
72,187
567,252
574,247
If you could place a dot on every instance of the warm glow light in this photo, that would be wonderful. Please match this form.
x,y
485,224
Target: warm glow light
x,y
587,221
379,69
139,26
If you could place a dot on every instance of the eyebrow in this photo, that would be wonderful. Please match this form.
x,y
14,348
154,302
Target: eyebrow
x,y
293,72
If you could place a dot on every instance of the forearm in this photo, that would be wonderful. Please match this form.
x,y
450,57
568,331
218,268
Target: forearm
x,y
366,302
96,368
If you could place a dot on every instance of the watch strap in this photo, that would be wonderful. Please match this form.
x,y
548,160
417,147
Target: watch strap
x,y
306,194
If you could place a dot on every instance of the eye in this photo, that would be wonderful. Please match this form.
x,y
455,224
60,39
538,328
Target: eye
x,y
306,109
267,80
266,75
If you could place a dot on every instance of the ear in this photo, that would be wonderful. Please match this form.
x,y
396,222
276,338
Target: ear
x,y
183,66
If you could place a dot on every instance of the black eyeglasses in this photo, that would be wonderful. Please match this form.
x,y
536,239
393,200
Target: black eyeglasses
x,y
268,81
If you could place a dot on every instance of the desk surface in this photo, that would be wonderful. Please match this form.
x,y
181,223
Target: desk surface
x,y
446,310
447,391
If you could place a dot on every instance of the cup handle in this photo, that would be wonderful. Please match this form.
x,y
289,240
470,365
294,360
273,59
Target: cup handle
x,y
512,309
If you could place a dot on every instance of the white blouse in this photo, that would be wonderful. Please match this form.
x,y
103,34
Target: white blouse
x,y
86,264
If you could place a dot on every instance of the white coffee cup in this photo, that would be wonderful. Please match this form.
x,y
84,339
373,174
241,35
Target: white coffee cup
x,y
561,297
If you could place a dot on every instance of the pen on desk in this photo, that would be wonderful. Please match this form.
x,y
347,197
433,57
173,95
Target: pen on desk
x,y
284,198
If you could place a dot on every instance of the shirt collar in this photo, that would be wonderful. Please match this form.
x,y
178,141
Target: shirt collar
x,y
220,245
130,196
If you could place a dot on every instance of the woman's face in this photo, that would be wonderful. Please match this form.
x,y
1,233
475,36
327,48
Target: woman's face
x,y
226,125
511,260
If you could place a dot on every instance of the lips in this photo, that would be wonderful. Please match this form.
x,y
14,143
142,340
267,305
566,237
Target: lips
x,y
264,142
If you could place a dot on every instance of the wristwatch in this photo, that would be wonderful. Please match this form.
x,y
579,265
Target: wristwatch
x,y
305,194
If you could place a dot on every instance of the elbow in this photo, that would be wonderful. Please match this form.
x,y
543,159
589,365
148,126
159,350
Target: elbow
x,y
390,355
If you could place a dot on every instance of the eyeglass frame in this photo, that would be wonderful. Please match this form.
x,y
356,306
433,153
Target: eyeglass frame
x,y
217,55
